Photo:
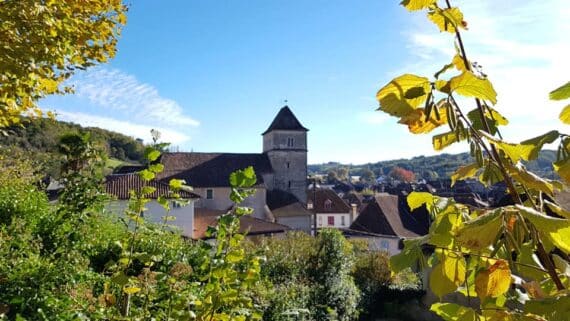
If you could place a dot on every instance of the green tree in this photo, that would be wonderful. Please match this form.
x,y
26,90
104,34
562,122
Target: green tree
x,y
367,175
45,42
477,252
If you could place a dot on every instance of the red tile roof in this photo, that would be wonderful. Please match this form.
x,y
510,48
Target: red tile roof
x,y
248,224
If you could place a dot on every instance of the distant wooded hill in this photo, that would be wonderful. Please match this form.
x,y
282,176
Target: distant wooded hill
x,y
39,137
431,167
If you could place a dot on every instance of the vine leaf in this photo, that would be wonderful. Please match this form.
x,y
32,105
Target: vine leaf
x,y
481,232
454,312
565,115
527,150
531,180
441,141
448,20
469,85
464,172
494,281
417,199
562,168
447,275
417,123
402,95
555,230
414,5
409,256
560,93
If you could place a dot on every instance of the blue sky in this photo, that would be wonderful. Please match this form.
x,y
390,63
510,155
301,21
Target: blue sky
x,y
211,75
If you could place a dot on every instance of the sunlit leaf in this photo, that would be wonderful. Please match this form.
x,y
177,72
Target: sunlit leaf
x,y
410,255
131,289
556,230
448,274
529,179
562,92
481,232
493,281
417,123
146,175
454,312
553,309
414,5
243,178
562,168
417,199
469,85
565,115
449,19
392,97
441,141
459,63
464,172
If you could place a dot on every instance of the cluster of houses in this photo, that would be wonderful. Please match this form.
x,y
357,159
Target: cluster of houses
x,y
283,199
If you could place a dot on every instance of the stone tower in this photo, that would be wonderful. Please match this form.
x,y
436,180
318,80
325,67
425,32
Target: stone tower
x,y
285,144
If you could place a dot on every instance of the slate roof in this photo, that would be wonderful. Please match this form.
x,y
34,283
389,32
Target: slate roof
x,y
248,224
285,120
320,196
389,215
284,204
119,185
211,169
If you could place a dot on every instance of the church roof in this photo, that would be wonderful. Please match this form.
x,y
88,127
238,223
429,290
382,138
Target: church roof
x,y
211,169
285,120
120,185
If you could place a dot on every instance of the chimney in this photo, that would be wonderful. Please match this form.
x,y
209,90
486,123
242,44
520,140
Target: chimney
x,y
353,212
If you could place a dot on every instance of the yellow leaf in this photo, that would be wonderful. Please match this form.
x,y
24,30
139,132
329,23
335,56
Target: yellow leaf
x,y
447,275
469,85
417,199
414,5
480,233
131,289
403,94
527,150
493,281
454,312
555,230
562,92
459,63
447,19
464,172
557,209
529,179
441,141
495,115
562,168
565,115
417,124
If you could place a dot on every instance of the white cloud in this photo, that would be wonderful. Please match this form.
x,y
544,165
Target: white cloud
x,y
372,117
124,127
124,95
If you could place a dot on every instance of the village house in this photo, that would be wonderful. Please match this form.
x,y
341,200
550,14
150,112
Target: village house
x,y
331,211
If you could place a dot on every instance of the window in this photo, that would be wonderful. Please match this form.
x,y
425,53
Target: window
x,y
342,220
287,164
289,184
209,194
320,221
290,141
328,205
176,204
385,245
330,220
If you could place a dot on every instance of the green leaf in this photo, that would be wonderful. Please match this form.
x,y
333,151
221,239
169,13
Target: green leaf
x,y
560,93
441,141
243,178
557,209
414,5
156,168
163,202
469,85
146,175
529,179
539,142
454,312
176,184
151,154
527,150
553,309
410,255
392,97
555,230
481,232
529,259
449,19
148,190
464,172
565,115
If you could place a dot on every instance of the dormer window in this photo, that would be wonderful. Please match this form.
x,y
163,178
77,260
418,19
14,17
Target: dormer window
x,y
328,205
290,141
